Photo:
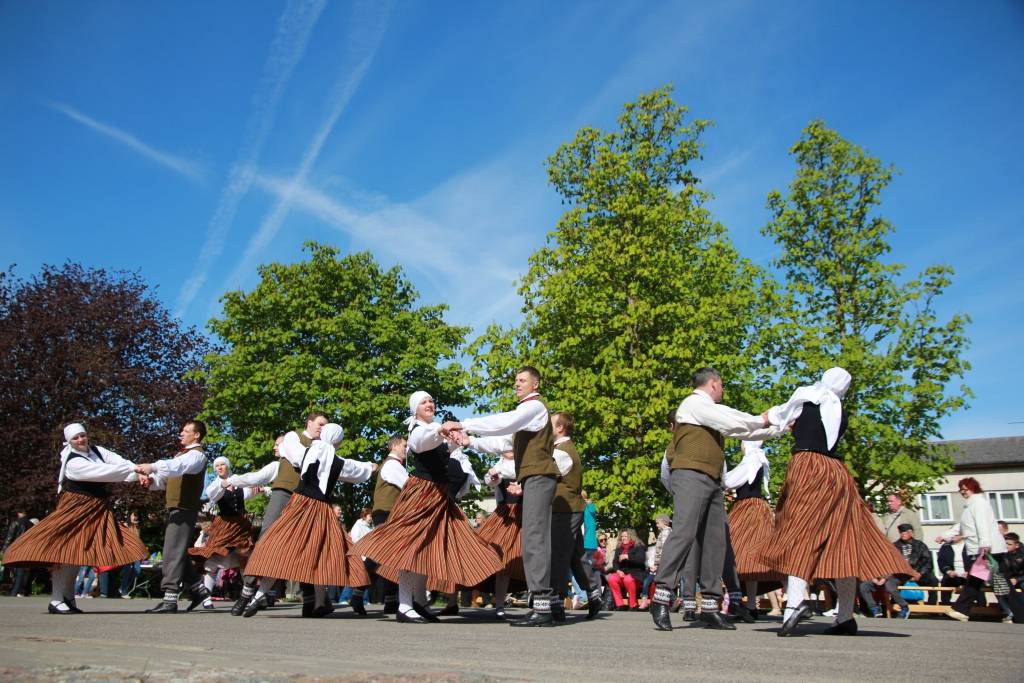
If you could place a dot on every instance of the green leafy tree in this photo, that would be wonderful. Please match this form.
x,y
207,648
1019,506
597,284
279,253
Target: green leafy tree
x,y
636,288
332,333
844,304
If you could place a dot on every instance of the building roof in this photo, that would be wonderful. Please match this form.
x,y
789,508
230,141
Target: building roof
x,y
981,453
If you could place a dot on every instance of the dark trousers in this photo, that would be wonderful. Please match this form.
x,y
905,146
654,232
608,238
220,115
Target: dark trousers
x,y
538,492
21,584
178,568
567,553
381,590
950,582
698,525
974,593
892,587
593,573
729,575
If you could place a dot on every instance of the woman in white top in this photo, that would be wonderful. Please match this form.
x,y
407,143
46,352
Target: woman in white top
x,y
981,536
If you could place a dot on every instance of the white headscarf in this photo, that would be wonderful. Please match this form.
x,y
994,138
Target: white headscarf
x,y
414,402
70,432
222,459
827,393
322,451
332,433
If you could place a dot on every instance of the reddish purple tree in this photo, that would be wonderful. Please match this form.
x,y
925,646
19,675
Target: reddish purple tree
x,y
96,347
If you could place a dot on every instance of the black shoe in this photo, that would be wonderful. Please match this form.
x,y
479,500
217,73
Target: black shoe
x,y
271,600
450,610
425,613
689,615
534,619
391,607
357,606
740,611
255,605
307,609
410,617
239,606
53,609
715,620
73,606
843,628
321,611
593,608
802,612
198,597
659,613
499,613
164,607
558,611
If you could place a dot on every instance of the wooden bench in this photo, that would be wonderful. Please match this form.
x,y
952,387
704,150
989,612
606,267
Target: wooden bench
x,y
923,608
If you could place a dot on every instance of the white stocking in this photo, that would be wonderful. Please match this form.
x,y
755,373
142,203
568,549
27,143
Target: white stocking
x,y
405,589
63,581
796,593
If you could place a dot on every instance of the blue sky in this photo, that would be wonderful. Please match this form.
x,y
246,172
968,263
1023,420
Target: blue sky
x,y
192,141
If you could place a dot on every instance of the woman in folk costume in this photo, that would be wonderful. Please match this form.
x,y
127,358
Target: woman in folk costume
x,y
823,528
82,530
751,521
306,544
230,536
427,540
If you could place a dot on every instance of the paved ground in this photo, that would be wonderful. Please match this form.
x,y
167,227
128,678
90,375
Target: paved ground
x,y
116,641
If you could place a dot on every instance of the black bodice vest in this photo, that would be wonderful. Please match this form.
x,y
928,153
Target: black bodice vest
x,y
93,489
431,465
754,489
309,482
232,503
809,432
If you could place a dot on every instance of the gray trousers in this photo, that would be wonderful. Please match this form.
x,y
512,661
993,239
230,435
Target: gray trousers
x,y
729,575
892,587
538,492
178,566
567,553
278,500
698,525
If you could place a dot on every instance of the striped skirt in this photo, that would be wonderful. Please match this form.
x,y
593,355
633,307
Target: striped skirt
x,y
306,544
824,529
227,534
750,526
81,531
427,533
503,531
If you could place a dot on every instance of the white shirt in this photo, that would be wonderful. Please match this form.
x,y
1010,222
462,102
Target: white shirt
x,y
978,527
359,529
563,461
699,409
425,437
112,468
291,448
261,477
528,416
215,491
191,461
394,472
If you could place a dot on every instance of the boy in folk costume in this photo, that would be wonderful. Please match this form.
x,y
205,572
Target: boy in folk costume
x,y
823,528
391,478
82,530
182,478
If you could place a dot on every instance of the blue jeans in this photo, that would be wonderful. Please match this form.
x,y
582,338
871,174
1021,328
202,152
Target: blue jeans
x,y
83,585
129,573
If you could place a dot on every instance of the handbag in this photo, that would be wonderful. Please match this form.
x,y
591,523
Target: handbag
x,y
979,569
1000,586
912,595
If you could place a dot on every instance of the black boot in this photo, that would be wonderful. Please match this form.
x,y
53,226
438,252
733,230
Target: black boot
x,y
425,613
716,621
594,606
199,595
390,604
740,611
254,606
164,607
534,618
239,606
802,612
356,603
659,612
72,605
689,615
557,610
843,628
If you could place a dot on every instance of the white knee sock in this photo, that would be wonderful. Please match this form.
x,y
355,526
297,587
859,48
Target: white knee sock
x,y
796,593
63,583
847,591
405,589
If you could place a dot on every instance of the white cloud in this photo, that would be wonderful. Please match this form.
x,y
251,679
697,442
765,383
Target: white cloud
x,y
183,167
294,27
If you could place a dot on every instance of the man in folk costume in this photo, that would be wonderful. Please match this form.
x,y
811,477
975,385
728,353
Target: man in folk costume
x,y
285,479
567,524
534,446
426,540
306,543
823,528
751,522
391,477
230,537
696,460
82,530
182,477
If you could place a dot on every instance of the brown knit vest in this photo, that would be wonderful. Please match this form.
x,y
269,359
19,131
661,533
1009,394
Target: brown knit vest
x,y
287,476
697,448
570,484
185,491
384,493
534,452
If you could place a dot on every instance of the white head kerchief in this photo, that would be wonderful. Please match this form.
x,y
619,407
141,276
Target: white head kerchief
x,y
322,452
827,394
414,402
221,459
70,432
752,450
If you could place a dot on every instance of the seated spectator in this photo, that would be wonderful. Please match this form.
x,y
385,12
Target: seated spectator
x,y
1012,568
627,569
952,570
919,557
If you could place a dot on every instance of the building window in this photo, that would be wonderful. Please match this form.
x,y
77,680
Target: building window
x,y
1008,505
936,507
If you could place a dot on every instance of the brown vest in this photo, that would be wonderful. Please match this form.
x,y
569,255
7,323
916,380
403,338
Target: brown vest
x,y
185,491
287,476
534,452
384,493
697,448
570,484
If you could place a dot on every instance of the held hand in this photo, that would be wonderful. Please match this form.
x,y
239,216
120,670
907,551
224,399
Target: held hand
x,y
515,489
224,484
448,428
144,481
